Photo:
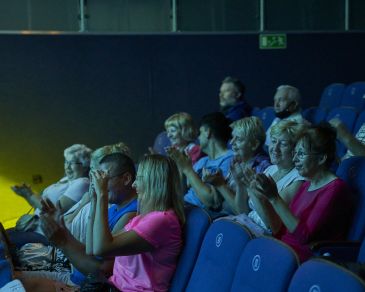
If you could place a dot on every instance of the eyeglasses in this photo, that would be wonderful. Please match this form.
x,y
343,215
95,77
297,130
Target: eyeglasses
x,y
301,155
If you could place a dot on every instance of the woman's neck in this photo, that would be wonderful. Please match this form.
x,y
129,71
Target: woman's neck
x,y
320,179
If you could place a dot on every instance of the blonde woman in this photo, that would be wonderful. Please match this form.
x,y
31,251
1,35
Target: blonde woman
x,y
148,248
182,134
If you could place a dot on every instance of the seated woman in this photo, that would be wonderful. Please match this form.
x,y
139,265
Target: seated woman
x,y
147,251
182,134
69,189
248,136
284,135
321,208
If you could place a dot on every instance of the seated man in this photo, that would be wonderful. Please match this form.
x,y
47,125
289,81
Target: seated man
x,y
121,175
355,144
286,106
214,135
232,99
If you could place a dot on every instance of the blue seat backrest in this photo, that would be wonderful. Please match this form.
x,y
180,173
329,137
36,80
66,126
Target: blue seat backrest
x,y
196,225
319,275
332,96
265,258
352,170
219,254
354,96
315,114
267,115
6,273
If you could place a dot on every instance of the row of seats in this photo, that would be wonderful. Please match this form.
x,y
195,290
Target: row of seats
x,y
222,256
229,259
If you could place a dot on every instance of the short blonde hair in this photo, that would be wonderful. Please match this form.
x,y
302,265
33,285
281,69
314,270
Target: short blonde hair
x,y
79,152
251,128
184,122
101,152
291,128
162,186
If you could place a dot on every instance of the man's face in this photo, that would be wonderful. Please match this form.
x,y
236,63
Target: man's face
x,y
116,187
228,94
282,101
203,137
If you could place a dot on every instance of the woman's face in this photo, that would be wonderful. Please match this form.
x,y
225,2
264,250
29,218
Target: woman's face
x,y
281,150
73,168
174,135
307,163
138,184
242,147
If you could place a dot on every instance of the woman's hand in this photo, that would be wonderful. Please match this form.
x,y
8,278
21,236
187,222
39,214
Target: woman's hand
x,y
182,160
55,232
264,186
51,210
242,173
214,178
23,190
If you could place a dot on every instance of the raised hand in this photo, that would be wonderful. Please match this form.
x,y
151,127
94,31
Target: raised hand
x,y
55,232
22,190
181,159
99,181
265,186
214,178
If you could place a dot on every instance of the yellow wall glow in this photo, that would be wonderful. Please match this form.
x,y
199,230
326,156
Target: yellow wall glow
x,y
11,205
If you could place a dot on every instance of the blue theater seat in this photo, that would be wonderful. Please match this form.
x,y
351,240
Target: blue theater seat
x,y
267,115
196,225
354,96
332,96
266,264
318,275
315,114
220,252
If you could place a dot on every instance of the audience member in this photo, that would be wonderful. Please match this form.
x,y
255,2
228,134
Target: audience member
x,y
232,99
286,106
120,174
248,136
321,208
213,138
355,145
69,189
182,133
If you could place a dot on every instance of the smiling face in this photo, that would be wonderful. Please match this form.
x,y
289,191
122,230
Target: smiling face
x,y
243,147
281,150
174,135
307,163
73,168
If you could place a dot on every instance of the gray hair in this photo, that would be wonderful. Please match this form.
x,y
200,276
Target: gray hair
x,y
79,152
293,92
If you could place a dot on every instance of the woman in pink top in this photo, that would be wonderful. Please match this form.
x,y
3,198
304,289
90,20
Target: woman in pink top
x,y
148,248
321,208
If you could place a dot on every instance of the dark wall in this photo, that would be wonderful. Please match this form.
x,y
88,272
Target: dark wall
x,y
56,90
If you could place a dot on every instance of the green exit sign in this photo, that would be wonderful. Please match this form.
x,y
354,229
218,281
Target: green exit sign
x,y
272,41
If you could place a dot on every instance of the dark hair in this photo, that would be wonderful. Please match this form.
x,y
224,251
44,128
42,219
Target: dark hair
x,y
218,125
237,83
321,139
122,163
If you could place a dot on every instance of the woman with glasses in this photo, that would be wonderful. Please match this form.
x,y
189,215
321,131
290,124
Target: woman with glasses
x,y
69,190
321,208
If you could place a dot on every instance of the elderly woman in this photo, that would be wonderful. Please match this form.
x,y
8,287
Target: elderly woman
x,y
248,136
321,207
182,134
69,190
